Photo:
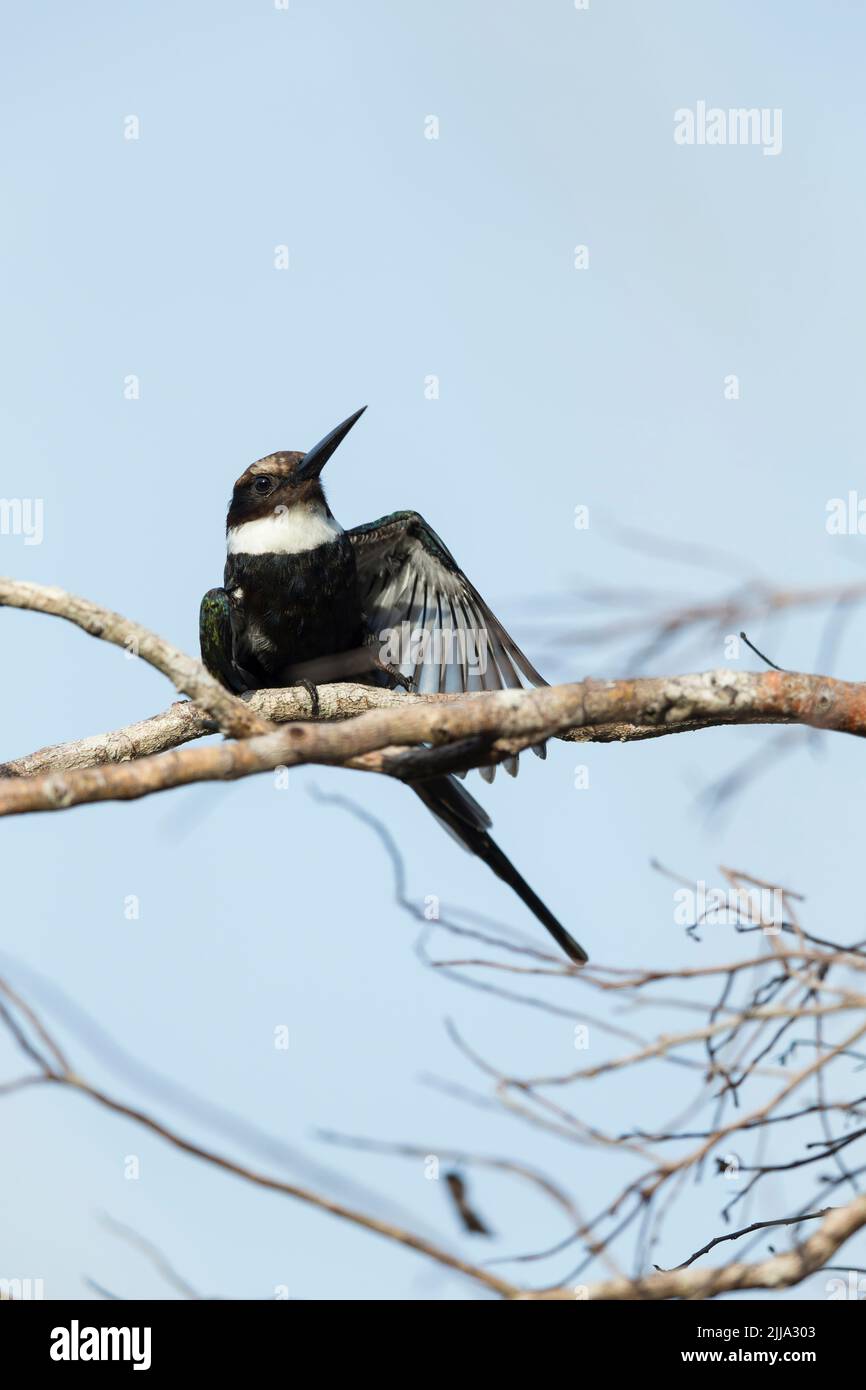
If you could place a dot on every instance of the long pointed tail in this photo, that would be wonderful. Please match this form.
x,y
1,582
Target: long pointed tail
x,y
469,823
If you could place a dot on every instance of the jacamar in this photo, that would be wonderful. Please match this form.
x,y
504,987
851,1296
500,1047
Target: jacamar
x,y
304,602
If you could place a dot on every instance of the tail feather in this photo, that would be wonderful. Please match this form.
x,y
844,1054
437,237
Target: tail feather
x,y
469,823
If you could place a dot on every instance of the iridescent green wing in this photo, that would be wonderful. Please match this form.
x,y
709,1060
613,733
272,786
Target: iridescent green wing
x,y
215,638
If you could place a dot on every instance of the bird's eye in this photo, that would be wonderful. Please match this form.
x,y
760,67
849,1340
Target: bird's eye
x,y
262,485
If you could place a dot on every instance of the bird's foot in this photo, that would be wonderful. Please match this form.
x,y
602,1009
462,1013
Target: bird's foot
x,y
385,668
395,675
312,691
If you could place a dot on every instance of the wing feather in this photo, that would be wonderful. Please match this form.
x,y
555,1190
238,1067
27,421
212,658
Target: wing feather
x,y
408,575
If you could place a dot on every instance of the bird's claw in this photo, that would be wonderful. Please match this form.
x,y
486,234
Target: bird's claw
x,y
396,677
313,693
406,682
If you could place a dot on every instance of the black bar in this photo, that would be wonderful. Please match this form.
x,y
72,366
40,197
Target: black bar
x,y
230,1337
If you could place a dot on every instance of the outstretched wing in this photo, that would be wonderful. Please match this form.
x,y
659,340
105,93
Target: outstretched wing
x,y
215,639
441,632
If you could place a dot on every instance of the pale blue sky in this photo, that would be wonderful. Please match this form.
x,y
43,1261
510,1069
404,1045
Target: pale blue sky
x,y
408,257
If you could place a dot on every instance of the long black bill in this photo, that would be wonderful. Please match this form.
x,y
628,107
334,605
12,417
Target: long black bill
x,y
314,461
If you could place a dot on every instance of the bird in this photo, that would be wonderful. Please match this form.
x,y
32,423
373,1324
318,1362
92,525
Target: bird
x,y
304,602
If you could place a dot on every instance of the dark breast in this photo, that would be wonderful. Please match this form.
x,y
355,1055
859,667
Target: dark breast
x,y
293,608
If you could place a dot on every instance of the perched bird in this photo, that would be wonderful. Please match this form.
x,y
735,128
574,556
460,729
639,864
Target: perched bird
x,y
304,602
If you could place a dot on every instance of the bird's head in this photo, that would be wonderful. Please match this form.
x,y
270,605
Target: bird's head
x,y
285,482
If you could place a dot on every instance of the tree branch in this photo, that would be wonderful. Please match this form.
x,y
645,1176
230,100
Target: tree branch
x,y
502,722
778,1272
186,674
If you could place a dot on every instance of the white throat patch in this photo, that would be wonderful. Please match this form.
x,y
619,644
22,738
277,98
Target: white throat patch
x,y
286,531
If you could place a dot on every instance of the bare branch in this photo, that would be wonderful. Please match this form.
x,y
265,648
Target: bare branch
x,y
63,1076
186,674
502,722
778,1272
